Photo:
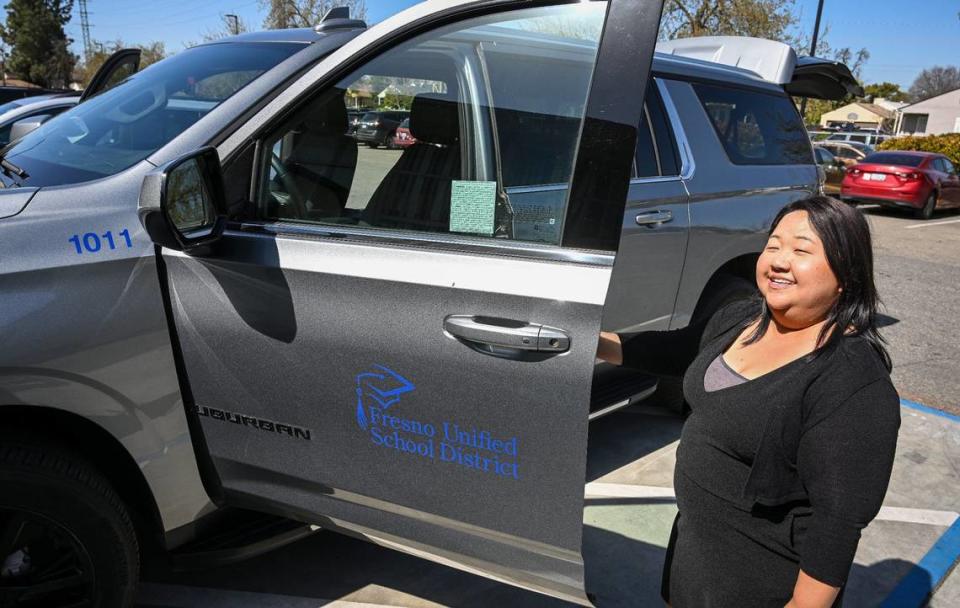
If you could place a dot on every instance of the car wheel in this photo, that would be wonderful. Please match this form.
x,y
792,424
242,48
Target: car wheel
x,y
670,388
66,538
926,212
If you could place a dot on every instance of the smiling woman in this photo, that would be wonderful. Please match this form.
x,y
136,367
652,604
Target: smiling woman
x,y
787,452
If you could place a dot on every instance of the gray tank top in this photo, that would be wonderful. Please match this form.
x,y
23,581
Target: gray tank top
x,y
719,375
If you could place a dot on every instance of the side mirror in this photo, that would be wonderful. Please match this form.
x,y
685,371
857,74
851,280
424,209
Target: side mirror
x,y
182,204
22,127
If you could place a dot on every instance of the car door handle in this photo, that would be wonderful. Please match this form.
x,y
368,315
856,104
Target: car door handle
x,y
503,337
652,218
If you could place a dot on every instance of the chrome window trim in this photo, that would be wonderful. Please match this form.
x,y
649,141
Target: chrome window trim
x,y
688,164
449,243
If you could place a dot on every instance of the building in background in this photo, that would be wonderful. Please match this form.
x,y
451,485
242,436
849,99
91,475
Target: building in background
x,y
862,115
934,116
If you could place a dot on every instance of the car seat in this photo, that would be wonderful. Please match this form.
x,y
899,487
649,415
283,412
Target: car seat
x,y
415,193
323,159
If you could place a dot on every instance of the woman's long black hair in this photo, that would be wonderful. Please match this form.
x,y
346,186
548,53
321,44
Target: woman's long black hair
x,y
849,249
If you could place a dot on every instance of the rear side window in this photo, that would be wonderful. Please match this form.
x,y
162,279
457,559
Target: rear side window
x,y
756,128
656,154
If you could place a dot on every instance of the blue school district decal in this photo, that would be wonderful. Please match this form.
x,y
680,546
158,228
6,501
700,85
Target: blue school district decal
x,y
384,386
380,390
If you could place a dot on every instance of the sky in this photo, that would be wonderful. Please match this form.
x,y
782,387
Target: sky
x,y
903,37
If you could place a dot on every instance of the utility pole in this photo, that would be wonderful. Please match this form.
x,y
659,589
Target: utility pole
x,y
85,29
813,50
234,23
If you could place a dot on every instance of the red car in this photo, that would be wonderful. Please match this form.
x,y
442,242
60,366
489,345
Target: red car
x,y
919,181
403,137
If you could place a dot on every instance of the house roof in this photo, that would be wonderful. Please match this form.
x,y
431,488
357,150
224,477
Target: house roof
x,y
878,111
953,92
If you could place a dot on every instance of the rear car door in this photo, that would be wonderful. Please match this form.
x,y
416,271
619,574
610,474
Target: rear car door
x,y
399,344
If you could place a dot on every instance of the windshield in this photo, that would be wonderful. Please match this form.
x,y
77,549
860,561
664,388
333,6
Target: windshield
x,y
120,127
890,158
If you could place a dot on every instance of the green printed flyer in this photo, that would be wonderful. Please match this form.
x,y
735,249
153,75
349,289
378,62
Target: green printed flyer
x,y
472,206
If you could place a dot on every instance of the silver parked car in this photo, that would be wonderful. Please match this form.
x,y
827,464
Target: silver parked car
x,y
20,116
220,313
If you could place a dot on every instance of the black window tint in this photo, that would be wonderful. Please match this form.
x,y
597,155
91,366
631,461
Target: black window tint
x,y
756,128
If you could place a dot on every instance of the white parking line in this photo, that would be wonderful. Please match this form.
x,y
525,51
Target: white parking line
x,y
155,595
927,224
900,514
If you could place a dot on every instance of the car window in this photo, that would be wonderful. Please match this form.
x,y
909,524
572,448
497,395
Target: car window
x,y
756,128
824,157
6,129
849,153
656,154
893,158
120,127
859,138
495,106
948,166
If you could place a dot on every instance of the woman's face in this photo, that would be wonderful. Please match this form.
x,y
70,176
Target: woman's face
x,y
793,274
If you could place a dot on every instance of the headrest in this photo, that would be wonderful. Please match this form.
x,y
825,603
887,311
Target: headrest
x,y
435,119
328,118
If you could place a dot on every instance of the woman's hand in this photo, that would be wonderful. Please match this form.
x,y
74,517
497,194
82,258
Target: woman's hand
x,y
609,348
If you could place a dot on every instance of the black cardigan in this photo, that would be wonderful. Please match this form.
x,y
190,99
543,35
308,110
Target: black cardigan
x,y
829,439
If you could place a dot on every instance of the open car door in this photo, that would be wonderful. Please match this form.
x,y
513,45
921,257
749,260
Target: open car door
x,y
413,365
115,69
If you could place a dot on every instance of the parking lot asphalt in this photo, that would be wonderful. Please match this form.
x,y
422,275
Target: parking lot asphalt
x,y
904,556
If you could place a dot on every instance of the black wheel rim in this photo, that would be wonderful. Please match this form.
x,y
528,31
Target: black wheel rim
x,y
42,563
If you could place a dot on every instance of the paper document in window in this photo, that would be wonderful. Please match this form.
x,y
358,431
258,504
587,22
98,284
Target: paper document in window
x,y
472,207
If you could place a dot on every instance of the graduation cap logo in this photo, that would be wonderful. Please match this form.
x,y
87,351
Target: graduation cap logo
x,y
382,385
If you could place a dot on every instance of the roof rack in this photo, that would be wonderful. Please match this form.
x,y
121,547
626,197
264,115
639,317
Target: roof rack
x,y
338,18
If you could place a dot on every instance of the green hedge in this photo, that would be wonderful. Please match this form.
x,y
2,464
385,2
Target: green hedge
x,y
948,145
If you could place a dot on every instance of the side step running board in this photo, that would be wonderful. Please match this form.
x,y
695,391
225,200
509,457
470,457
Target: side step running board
x,y
239,536
615,388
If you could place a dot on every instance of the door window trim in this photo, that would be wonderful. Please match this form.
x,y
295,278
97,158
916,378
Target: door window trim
x,y
447,243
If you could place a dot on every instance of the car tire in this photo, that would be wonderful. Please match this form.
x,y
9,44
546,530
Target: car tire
x,y
61,519
730,288
926,212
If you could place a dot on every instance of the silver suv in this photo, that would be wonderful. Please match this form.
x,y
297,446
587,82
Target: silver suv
x,y
220,313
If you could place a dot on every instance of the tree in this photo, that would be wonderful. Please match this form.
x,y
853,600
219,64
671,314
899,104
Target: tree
x,y
306,13
885,90
39,47
150,53
771,19
935,81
